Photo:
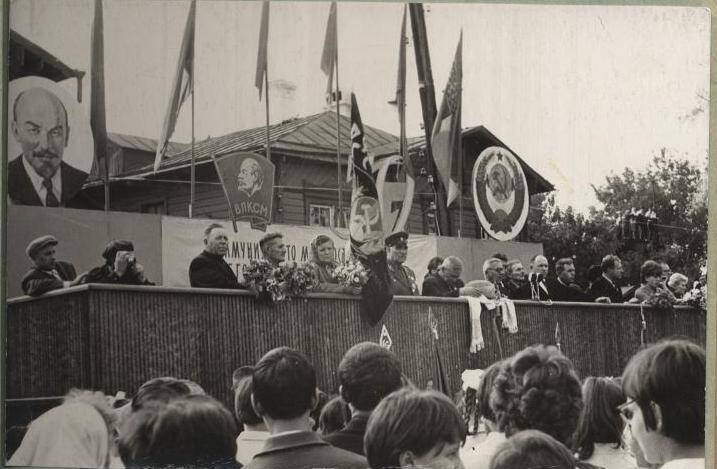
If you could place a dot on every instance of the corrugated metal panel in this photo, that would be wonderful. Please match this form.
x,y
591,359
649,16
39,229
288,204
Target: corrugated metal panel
x,y
115,338
135,142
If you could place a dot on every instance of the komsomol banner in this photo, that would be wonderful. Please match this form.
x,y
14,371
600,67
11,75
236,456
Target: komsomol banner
x,y
248,182
366,226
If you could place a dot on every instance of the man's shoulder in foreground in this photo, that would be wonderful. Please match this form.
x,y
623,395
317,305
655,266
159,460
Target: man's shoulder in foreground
x,y
350,437
304,450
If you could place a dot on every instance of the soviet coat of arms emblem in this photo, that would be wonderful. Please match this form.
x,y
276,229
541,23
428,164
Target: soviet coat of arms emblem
x,y
500,193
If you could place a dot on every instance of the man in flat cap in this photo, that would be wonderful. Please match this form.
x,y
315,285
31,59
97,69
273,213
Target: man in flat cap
x,y
48,273
121,266
403,280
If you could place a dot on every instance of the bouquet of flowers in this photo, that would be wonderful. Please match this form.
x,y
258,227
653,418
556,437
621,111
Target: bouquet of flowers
x,y
351,274
299,279
697,297
256,275
661,299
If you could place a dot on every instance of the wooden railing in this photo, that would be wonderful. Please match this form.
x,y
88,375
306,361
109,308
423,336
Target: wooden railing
x,y
114,338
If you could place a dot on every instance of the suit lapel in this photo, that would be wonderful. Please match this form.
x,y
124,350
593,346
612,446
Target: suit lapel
x,y
25,190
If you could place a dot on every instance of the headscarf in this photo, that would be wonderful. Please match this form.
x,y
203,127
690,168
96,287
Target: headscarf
x,y
315,243
73,434
113,247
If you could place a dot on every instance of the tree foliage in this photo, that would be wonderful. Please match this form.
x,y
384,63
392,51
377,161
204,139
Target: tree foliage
x,y
674,189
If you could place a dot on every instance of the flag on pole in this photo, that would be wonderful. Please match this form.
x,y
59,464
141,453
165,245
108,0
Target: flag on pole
x,y
97,93
328,57
446,135
400,100
366,226
261,62
182,86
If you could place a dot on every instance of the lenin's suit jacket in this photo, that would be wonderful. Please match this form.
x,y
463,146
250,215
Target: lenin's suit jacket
x,y
303,450
36,281
21,191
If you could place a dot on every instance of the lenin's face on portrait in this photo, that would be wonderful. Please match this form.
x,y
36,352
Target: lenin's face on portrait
x,y
40,127
250,177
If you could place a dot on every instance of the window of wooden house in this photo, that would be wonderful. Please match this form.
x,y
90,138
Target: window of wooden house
x,y
320,215
157,206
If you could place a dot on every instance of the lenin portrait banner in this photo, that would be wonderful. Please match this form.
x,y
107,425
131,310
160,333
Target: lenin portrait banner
x,y
248,181
500,193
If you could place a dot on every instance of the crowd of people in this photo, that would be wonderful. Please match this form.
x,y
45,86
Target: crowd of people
x,y
529,411
502,278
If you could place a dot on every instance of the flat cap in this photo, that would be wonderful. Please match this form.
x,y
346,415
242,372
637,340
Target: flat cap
x,y
395,238
38,244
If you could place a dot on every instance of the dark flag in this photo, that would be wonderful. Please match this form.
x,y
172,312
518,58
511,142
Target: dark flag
x,y
366,226
440,378
97,96
261,59
446,135
181,87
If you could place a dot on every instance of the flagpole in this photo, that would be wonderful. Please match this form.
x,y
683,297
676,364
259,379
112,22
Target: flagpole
x,y
192,171
338,120
266,92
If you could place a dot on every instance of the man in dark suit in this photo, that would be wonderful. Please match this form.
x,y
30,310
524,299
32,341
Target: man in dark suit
x,y
208,269
367,373
284,392
447,282
606,286
39,176
47,274
563,286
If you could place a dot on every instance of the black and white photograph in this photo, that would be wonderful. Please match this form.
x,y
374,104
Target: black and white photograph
x,y
357,235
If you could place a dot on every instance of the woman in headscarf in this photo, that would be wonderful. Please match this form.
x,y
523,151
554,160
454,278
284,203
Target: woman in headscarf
x,y
78,433
323,265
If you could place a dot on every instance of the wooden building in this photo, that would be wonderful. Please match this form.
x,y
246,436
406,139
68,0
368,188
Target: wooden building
x,y
304,152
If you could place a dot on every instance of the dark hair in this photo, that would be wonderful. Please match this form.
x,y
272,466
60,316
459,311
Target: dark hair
x,y
561,263
191,431
334,415
650,269
538,389
240,373
485,387
284,383
113,247
532,449
434,263
159,389
600,420
267,238
208,229
609,262
501,256
242,403
368,373
672,375
413,420
321,400
321,239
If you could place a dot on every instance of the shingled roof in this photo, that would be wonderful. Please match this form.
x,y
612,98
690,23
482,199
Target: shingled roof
x,y
312,137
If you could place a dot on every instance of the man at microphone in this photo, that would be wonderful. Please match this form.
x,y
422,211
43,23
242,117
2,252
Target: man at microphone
x,y
536,278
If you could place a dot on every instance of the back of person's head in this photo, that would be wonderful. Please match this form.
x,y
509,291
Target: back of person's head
x,y
242,402
411,421
239,374
501,256
284,384
73,434
334,415
368,373
532,449
160,389
600,420
190,431
485,388
315,414
670,374
539,390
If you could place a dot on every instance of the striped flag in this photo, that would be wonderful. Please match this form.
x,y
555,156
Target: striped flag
x,y
182,86
446,135
261,59
328,56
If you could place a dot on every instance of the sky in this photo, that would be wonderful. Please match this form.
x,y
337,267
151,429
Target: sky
x,y
579,92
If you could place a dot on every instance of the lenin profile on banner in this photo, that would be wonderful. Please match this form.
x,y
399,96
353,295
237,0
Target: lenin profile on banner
x,y
250,177
39,175
248,182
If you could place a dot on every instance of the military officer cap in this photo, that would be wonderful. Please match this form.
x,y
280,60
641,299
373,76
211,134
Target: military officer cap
x,y
395,238
38,244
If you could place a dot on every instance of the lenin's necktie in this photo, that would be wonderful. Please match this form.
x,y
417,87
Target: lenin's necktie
x,y
50,199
